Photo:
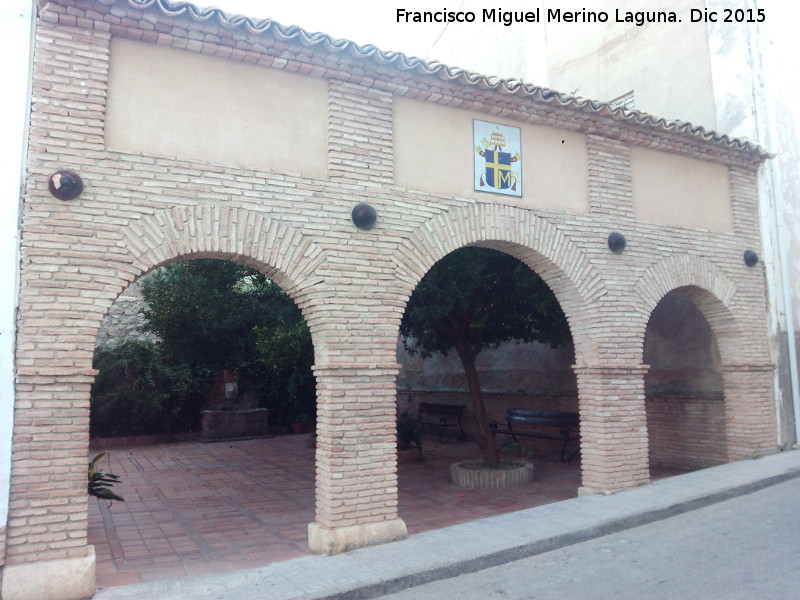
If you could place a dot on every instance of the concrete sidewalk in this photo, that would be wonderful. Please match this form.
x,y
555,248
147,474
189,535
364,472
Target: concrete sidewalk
x,y
451,551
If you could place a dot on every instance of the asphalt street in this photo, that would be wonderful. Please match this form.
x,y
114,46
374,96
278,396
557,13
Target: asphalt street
x,y
747,548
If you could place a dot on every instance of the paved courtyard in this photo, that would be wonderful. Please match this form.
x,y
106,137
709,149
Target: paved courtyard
x,y
194,508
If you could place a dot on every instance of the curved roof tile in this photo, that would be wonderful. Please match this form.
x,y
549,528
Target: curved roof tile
x,y
404,62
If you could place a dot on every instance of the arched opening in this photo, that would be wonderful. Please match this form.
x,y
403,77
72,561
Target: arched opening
x,y
685,401
205,366
481,315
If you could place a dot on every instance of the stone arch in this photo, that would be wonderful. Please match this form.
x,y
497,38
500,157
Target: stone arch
x,y
532,239
89,287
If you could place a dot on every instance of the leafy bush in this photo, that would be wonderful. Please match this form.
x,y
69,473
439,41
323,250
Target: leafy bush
x,y
286,383
208,315
409,429
139,392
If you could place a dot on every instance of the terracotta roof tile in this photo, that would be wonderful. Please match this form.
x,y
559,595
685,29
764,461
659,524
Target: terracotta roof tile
x,y
404,62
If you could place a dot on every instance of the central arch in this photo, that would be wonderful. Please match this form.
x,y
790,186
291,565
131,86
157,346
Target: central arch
x,y
567,270
542,246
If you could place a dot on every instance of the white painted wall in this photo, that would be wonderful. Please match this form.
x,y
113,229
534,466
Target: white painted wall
x,y
15,37
756,86
511,52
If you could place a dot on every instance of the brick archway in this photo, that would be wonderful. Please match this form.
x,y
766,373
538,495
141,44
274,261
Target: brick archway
x,y
147,203
532,239
285,254
712,290
248,237
746,368
577,284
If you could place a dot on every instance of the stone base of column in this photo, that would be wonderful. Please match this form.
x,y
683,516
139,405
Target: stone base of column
x,y
593,491
333,540
64,579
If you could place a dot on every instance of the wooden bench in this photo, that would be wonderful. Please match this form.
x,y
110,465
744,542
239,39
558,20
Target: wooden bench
x,y
522,423
442,416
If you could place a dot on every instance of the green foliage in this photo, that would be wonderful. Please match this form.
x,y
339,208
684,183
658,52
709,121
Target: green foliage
x,y
208,315
481,298
409,429
287,353
100,483
478,298
203,311
138,392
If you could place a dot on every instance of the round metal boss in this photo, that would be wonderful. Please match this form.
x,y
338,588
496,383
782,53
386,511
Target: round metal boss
x,y
364,216
65,185
750,258
616,242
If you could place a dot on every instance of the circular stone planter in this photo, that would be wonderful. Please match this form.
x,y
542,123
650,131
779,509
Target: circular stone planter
x,y
472,474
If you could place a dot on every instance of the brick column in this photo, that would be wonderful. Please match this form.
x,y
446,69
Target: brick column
x,y
744,206
610,183
47,519
750,412
359,134
356,488
64,275
614,443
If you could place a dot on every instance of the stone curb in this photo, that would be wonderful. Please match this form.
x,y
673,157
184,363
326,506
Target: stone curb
x,y
366,592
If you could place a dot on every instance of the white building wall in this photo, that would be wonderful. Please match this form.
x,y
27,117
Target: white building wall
x,y
755,93
516,51
15,36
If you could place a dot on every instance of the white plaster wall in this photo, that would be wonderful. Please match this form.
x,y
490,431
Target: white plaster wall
x,y
15,35
780,49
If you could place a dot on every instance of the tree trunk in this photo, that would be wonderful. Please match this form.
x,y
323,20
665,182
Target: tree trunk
x,y
485,439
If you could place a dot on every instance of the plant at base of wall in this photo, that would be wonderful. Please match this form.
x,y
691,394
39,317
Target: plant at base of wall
x,y
409,431
100,482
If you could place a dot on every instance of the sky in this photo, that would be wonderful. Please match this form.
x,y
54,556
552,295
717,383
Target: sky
x,y
362,21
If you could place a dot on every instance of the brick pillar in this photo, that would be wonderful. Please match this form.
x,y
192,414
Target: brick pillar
x,y
744,206
359,134
614,443
48,555
610,183
47,552
750,412
356,487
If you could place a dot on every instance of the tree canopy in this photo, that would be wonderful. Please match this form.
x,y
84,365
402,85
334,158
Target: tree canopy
x,y
208,315
474,299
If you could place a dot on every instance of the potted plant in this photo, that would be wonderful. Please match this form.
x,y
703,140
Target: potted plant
x,y
409,437
299,423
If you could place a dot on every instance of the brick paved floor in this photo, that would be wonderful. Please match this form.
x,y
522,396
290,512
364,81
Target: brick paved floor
x,y
195,508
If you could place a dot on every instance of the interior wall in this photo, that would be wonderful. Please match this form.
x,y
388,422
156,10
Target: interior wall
x,y
684,390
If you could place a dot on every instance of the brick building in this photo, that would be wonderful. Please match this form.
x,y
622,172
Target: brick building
x,y
202,135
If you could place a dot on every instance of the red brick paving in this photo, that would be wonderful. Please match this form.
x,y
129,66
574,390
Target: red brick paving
x,y
194,508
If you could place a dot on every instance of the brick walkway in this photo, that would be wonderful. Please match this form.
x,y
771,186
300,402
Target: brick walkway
x,y
195,508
